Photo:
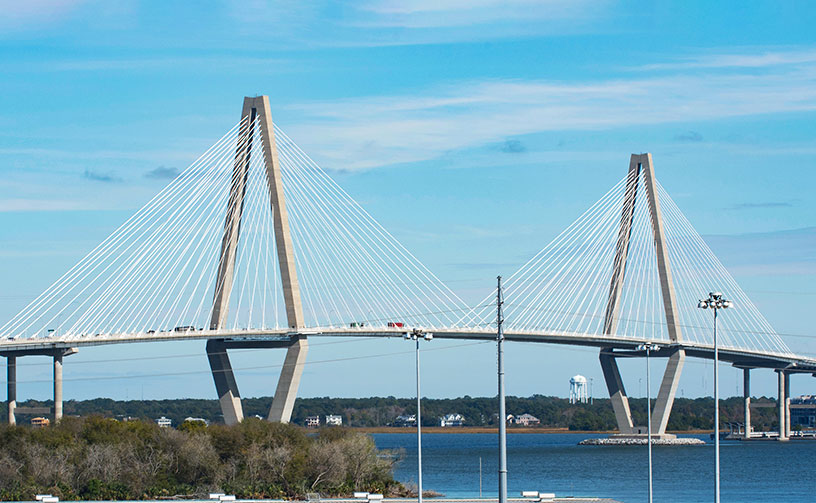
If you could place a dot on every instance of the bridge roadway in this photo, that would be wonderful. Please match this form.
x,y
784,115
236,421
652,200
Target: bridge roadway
x,y
623,346
611,348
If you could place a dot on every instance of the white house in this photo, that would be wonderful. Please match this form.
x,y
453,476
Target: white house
x,y
334,420
526,420
451,420
163,422
312,421
405,420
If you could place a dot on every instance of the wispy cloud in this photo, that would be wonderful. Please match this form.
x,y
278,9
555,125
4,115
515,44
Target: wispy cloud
x,y
382,130
761,59
162,173
391,22
101,176
513,147
16,14
756,205
689,136
763,253
435,14
215,62
26,204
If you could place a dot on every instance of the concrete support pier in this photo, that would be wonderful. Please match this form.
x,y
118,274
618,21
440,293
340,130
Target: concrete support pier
x,y
225,385
57,387
617,392
781,403
746,393
57,354
787,405
668,390
11,373
289,381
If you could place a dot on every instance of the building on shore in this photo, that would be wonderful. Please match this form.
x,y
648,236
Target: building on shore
x,y
334,420
803,412
406,420
449,420
524,420
164,422
312,421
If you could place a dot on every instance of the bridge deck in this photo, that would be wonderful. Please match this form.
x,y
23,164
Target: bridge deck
x,y
621,345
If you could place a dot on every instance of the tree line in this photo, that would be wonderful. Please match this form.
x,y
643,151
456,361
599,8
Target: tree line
x,y
97,458
687,414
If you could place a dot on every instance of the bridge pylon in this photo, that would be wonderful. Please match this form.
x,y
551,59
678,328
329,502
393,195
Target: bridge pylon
x,y
641,168
256,113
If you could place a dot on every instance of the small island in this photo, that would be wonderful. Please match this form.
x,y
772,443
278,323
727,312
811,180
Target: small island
x,y
97,458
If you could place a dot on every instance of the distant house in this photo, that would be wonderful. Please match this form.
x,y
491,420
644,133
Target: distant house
x,y
312,421
525,420
405,420
164,422
334,420
451,420
197,420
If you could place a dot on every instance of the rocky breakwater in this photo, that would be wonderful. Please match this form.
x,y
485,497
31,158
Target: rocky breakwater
x,y
640,441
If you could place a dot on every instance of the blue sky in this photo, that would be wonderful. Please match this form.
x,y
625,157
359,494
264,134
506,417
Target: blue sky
x,y
474,131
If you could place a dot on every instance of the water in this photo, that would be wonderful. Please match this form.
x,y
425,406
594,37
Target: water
x,y
751,471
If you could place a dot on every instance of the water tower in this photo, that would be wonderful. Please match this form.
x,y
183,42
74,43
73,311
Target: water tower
x,y
578,389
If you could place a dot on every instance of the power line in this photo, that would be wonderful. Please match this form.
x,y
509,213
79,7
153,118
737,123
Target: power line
x,y
256,367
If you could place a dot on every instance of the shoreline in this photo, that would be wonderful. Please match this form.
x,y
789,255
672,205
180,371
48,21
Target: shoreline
x,y
485,429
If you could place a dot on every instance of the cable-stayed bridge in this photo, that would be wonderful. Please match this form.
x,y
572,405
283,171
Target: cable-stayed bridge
x,y
255,246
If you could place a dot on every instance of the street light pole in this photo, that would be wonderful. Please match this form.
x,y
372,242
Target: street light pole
x,y
648,348
416,335
715,301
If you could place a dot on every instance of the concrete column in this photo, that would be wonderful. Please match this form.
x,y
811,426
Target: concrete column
x,y
614,383
225,384
617,393
668,390
781,404
289,381
11,368
57,387
746,392
286,392
622,247
787,405
280,217
232,224
663,263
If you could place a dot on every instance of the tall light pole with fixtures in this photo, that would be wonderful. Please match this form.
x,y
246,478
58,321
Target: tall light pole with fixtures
x,y
715,302
416,335
649,347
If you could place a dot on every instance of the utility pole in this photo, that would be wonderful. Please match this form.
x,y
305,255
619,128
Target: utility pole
x,y
502,413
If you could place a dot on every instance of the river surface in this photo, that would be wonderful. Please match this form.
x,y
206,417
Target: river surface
x,y
750,471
